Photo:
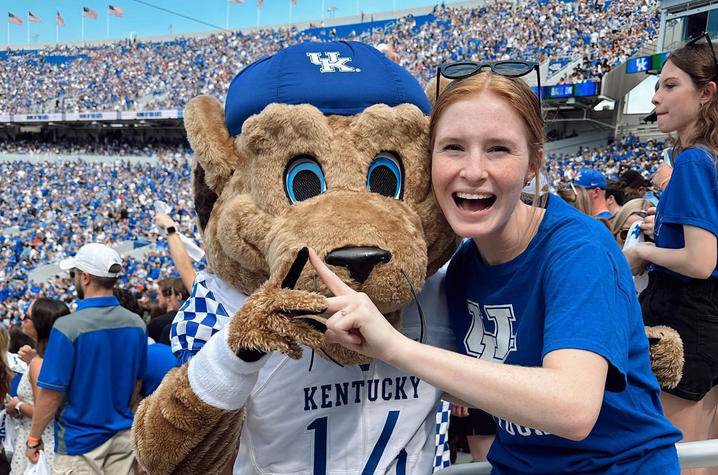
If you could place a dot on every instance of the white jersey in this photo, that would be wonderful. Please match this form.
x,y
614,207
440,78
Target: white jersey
x,y
312,416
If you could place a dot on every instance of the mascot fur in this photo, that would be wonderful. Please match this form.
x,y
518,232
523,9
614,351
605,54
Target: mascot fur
x,y
322,145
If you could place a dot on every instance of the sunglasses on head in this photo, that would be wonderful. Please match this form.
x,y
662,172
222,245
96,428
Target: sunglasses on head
x,y
697,40
465,69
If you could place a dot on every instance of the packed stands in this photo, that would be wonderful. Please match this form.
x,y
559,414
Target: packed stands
x,y
137,75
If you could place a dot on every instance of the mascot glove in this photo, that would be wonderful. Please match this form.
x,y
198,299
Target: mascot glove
x,y
219,377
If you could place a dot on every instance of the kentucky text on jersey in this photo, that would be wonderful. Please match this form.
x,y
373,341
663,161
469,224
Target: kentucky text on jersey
x,y
353,392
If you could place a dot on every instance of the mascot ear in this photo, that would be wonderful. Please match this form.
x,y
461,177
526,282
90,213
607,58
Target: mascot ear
x,y
210,141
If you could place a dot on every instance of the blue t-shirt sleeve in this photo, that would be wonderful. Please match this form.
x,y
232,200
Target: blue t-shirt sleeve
x,y
586,309
58,363
692,194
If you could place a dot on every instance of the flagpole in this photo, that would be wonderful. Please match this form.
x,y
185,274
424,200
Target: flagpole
x,y
322,12
108,21
28,27
257,15
57,32
83,27
290,12
226,16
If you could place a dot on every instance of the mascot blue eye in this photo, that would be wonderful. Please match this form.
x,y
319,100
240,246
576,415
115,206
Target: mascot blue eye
x,y
386,176
303,179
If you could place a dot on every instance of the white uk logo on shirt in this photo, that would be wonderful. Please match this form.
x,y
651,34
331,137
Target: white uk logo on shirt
x,y
332,63
491,345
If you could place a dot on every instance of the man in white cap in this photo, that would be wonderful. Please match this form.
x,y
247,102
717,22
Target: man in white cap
x,y
92,367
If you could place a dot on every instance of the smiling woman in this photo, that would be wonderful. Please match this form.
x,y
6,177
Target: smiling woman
x,y
563,368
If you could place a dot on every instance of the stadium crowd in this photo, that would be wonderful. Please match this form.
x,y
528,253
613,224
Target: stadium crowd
x,y
133,74
49,210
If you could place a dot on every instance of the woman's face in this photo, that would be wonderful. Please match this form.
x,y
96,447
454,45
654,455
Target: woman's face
x,y
480,163
677,100
622,234
28,327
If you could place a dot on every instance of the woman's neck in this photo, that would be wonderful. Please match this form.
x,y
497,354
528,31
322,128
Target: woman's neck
x,y
514,237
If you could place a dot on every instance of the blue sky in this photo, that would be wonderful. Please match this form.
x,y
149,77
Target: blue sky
x,y
143,20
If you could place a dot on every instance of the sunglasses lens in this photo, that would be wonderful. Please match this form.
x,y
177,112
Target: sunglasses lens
x,y
458,70
624,234
512,68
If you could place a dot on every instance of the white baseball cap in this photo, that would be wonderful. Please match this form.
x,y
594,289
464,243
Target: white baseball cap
x,y
95,259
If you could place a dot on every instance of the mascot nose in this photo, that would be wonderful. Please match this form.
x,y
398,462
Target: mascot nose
x,y
359,260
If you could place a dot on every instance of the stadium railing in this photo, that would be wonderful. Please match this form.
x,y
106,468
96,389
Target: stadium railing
x,y
699,454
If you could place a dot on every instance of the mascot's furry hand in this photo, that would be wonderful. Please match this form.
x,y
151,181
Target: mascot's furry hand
x,y
262,325
666,349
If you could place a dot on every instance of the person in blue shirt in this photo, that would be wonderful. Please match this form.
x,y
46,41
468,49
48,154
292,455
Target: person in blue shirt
x,y
93,364
595,184
682,290
541,301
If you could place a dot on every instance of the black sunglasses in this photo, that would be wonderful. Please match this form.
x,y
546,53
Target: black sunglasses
x,y
465,69
697,39
72,273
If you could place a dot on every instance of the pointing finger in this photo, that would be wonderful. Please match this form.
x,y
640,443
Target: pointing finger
x,y
332,281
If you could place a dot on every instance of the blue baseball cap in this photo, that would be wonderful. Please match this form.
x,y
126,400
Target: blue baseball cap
x,y
338,77
590,178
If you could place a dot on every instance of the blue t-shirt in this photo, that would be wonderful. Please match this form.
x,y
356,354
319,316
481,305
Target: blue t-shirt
x,y
691,197
159,361
571,288
95,356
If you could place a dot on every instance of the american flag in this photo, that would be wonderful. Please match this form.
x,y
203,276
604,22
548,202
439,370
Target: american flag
x,y
60,20
88,12
13,19
114,10
260,3
293,1
33,18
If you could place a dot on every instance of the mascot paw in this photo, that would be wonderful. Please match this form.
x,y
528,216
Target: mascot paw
x,y
666,355
267,322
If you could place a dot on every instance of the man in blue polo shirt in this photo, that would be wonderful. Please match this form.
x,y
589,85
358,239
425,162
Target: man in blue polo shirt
x,y
595,183
91,371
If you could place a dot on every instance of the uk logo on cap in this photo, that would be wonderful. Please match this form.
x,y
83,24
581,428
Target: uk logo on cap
x,y
332,63
301,74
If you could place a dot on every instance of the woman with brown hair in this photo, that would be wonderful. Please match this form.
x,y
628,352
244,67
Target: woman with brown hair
x,y
541,301
36,324
682,266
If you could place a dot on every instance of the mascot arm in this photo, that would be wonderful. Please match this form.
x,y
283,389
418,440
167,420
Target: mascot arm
x,y
191,423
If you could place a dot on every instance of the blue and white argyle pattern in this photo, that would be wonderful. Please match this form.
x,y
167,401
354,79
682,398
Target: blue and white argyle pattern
x,y
197,320
443,453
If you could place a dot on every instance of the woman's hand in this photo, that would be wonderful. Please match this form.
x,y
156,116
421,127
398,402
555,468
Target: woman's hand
x,y
26,353
635,259
661,176
355,321
10,408
648,222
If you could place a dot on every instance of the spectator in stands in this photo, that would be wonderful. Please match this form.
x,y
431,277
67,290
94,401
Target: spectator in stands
x,y
632,211
594,182
615,197
37,324
576,196
573,357
683,273
633,184
94,360
171,295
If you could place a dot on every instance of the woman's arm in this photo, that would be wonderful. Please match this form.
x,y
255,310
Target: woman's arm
x,y
563,396
33,372
697,259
